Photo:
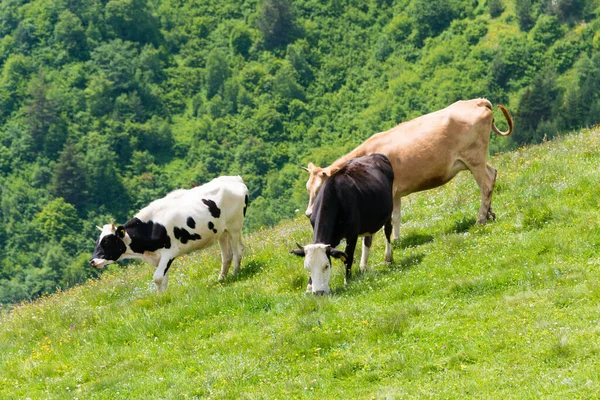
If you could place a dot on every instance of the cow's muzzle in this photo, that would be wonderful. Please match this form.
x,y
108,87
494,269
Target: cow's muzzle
x,y
96,264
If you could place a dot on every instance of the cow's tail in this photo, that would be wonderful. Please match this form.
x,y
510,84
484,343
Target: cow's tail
x,y
509,120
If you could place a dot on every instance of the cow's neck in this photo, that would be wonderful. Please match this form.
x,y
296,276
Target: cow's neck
x,y
339,163
150,257
325,226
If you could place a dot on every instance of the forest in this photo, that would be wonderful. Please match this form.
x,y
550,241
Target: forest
x,y
106,105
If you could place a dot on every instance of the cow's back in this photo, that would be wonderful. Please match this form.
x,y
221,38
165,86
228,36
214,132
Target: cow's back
x,y
221,201
426,152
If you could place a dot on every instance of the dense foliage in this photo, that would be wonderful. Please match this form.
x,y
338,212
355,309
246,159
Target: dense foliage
x,y
108,104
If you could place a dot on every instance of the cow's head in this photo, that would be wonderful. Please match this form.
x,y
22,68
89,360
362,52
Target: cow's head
x,y
315,181
110,246
317,260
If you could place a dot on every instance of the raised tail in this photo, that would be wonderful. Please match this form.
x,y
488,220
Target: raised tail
x,y
509,120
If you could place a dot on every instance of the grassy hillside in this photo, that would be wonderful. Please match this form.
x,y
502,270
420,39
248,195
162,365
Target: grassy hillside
x,y
506,310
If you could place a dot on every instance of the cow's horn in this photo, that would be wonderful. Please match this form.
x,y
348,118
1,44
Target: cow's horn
x,y
304,168
300,247
100,229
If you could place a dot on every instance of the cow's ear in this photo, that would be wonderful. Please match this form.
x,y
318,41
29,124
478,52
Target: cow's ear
x,y
299,251
337,254
120,232
332,170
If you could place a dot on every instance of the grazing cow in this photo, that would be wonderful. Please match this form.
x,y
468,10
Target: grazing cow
x,y
355,201
429,151
181,222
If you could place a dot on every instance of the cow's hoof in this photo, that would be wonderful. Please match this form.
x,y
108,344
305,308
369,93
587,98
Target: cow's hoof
x,y
221,277
490,215
388,259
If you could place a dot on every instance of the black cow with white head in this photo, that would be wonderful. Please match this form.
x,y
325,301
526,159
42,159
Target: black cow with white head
x,y
181,222
355,201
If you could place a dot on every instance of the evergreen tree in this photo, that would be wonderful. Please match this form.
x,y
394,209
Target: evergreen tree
x,y
216,72
566,10
495,7
536,105
275,21
431,17
524,14
42,116
68,180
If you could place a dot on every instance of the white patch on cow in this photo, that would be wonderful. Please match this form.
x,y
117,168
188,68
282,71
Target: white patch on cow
x,y
318,265
388,252
107,229
101,262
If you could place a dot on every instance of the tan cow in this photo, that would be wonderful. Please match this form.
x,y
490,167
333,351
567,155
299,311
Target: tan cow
x,y
429,151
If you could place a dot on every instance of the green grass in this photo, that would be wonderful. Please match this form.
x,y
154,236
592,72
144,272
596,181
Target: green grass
x,y
505,310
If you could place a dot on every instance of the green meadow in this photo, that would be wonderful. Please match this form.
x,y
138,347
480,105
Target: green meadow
x,y
510,309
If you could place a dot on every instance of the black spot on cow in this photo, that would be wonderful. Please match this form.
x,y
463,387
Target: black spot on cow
x,y
191,223
212,208
169,265
211,226
147,236
110,247
245,204
184,236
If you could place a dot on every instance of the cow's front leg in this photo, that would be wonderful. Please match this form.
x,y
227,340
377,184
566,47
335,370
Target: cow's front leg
x,y
350,247
161,279
388,244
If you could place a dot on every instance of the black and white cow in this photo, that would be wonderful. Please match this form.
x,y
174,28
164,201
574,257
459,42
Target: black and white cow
x,y
355,201
181,222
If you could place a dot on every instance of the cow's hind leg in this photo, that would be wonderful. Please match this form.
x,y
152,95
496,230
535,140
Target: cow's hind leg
x,y
366,248
226,255
396,217
237,248
388,244
485,176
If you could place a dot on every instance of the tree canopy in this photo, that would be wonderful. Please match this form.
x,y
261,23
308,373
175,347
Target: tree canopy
x,y
107,105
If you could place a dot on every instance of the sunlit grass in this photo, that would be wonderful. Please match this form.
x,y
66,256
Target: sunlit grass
x,y
505,310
